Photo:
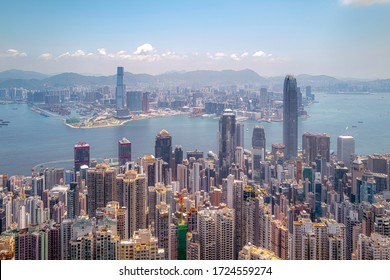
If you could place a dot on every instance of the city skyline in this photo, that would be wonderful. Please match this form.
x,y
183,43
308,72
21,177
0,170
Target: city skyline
x,y
209,167
339,38
232,205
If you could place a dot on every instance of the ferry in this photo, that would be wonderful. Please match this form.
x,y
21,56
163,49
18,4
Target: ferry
x,y
264,120
44,114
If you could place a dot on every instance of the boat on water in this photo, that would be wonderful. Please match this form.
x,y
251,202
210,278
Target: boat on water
x,y
354,126
44,114
264,120
360,122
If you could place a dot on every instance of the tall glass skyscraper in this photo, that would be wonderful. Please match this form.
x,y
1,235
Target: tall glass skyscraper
x,y
258,138
163,147
81,155
124,151
120,89
240,134
134,101
227,142
290,117
258,151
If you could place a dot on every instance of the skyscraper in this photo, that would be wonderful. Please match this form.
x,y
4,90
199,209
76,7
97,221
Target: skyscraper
x,y
120,89
251,252
258,151
81,155
101,185
135,193
54,242
163,147
375,247
141,246
29,245
345,148
178,160
134,101
121,110
145,102
263,98
227,142
314,145
162,224
224,226
240,134
207,235
124,151
258,138
290,117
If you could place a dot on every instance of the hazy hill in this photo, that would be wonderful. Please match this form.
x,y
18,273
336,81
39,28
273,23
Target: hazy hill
x,y
207,77
20,74
32,84
35,81
73,79
226,77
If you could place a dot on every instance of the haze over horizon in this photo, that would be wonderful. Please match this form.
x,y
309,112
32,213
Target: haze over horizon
x,y
344,38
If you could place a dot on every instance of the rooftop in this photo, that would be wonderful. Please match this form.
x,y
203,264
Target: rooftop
x,y
163,133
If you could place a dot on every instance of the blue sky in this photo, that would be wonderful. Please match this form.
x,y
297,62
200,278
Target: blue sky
x,y
349,38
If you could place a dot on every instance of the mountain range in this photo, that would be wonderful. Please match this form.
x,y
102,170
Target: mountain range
x,y
38,81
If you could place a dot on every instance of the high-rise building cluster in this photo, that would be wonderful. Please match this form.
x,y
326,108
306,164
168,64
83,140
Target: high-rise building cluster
x,y
256,203
134,102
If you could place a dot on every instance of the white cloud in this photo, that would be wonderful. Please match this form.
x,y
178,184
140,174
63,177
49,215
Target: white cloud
x,y
261,54
238,57
144,49
78,53
102,51
123,55
363,2
12,53
235,57
173,55
147,53
67,54
45,56
209,55
217,55
220,55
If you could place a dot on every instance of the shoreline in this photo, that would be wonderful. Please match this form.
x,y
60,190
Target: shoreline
x,y
122,122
